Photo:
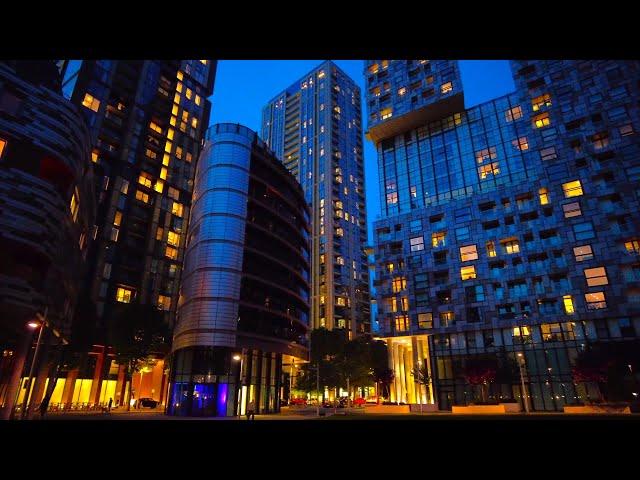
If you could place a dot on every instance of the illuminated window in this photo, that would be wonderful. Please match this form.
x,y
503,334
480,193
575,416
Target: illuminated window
x,y
438,239
513,113
392,198
402,91
167,147
510,246
386,113
159,233
164,302
180,75
541,101
446,318
446,87
124,295
91,102
163,173
468,253
582,253
171,253
572,189
114,234
340,260
173,238
117,219
600,140
572,210
198,100
491,248
374,68
491,169
632,246
179,152
467,273
521,144
417,243
389,267
143,197
595,300
425,320
189,93
155,127
124,187
159,186
404,303
543,195
486,154
145,179
74,207
339,232
341,301
569,308
596,276
194,122
398,284
94,156
522,334
3,143
402,323
541,120
177,209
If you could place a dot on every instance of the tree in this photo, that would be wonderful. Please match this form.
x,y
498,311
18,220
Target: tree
x,y
385,378
611,366
136,333
382,374
422,377
480,370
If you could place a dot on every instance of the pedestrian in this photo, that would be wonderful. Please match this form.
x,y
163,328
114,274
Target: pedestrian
x,y
251,410
110,403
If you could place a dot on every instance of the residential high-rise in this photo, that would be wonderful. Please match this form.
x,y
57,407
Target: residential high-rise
x,y
244,301
314,127
47,211
147,120
510,229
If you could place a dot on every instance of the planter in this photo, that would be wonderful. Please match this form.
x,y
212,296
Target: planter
x,y
426,408
595,409
498,409
386,409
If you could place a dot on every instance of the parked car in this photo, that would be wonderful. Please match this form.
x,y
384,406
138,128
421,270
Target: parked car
x,y
298,401
359,401
148,403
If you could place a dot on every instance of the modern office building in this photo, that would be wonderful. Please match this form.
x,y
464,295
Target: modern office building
x,y
244,301
510,229
314,127
47,212
147,120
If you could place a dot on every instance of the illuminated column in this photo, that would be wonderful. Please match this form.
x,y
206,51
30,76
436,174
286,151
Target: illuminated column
x,y
120,385
394,392
401,372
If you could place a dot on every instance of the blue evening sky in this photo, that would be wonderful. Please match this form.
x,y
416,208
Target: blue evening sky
x,y
243,87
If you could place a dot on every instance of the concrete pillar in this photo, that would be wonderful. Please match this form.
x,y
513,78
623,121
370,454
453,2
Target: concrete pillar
x,y
120,386
69,386
16,376
94,395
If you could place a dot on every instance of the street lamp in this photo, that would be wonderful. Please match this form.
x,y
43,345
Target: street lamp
x,y
524,390
33,324
238,358
420,385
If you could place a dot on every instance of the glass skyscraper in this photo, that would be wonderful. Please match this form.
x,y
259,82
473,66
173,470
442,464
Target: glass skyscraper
x,y
314,127
510,229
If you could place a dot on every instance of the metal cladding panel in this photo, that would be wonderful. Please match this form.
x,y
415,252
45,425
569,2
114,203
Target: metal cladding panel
x,y
208,308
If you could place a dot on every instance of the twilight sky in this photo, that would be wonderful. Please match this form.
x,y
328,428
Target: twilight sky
x,y
243,87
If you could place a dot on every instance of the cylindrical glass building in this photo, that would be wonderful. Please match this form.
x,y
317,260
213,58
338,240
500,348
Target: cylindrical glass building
x,y
244,298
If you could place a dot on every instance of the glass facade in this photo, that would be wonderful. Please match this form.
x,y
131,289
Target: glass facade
x,y
528,201
314,128
244,297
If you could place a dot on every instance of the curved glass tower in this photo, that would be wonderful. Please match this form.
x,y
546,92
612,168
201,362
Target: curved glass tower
x,y
244,298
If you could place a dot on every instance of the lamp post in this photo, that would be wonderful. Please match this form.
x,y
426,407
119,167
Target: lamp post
x,y
420,385
524,390
238,358
33,324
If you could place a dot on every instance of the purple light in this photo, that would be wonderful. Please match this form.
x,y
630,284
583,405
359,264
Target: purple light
x,y
222,399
